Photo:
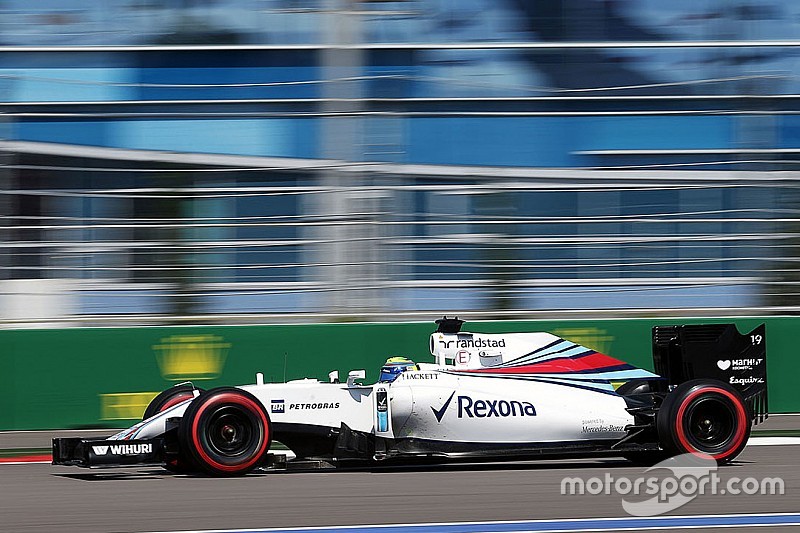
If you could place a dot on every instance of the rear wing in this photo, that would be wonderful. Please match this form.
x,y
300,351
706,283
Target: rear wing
x,y
716,351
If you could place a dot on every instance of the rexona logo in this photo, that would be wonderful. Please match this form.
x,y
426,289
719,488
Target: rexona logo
x,y
469,407
123,449
493,408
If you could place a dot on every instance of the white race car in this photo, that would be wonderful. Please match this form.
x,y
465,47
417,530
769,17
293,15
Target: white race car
x,y
486,397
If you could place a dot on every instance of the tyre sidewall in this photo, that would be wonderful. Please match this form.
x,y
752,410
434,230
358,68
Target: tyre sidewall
x,y
194,438
671,425
168,398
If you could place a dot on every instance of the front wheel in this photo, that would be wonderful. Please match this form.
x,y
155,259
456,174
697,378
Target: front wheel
x,y
169,398
226,431
704,416
166,399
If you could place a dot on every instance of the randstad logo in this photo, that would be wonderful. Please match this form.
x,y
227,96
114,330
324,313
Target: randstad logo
x,y
191,357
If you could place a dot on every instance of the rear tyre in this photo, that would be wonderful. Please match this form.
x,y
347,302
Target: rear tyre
x,y
226,432
168,398
704,416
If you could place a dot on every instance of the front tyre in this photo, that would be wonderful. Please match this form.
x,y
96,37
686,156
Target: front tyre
x,y
226,431
169,398
704,416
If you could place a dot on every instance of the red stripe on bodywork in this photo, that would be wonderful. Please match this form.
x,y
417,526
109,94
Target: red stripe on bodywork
x,y
594,361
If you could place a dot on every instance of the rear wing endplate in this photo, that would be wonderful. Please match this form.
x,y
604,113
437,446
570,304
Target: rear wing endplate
x,y
716,351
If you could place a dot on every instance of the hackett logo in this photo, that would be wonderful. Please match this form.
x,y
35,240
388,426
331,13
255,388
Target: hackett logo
x,y
416,375
123,449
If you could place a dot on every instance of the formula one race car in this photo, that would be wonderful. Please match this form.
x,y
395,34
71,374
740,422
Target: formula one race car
x,y
487,397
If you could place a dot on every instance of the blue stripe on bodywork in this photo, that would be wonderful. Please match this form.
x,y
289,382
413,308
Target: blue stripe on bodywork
x,y
602,386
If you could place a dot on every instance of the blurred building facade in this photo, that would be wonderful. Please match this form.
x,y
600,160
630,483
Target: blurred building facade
x,y
248,159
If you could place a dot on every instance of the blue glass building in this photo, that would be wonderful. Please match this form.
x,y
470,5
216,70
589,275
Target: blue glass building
x,y
259,156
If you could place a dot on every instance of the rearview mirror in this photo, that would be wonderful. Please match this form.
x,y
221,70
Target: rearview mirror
x,y
354,375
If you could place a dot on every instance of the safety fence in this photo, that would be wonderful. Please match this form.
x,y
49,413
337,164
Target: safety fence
x,y
398,239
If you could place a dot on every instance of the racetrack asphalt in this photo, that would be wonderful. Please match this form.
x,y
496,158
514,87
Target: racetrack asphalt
x,y
46,498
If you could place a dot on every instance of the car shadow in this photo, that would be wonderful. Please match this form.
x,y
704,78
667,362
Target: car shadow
x,y
420,467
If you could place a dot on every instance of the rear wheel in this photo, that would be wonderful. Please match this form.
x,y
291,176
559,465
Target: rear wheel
x,y
704,416
226,432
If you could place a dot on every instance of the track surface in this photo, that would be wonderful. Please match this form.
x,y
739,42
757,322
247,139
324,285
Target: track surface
x,y
41,497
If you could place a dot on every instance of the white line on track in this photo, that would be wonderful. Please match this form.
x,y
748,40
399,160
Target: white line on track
x,y
773,441
628,523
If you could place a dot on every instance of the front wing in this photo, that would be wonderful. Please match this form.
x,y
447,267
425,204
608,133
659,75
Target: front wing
x,y
76,451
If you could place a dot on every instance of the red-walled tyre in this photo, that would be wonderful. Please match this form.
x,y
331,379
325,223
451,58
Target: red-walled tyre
x,y
225,432
704,416
168,398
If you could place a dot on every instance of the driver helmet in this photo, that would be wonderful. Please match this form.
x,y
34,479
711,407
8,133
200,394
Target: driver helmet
x,y
394,366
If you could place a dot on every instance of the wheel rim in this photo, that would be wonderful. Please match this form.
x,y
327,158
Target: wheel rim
x,y
710,423
230,431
